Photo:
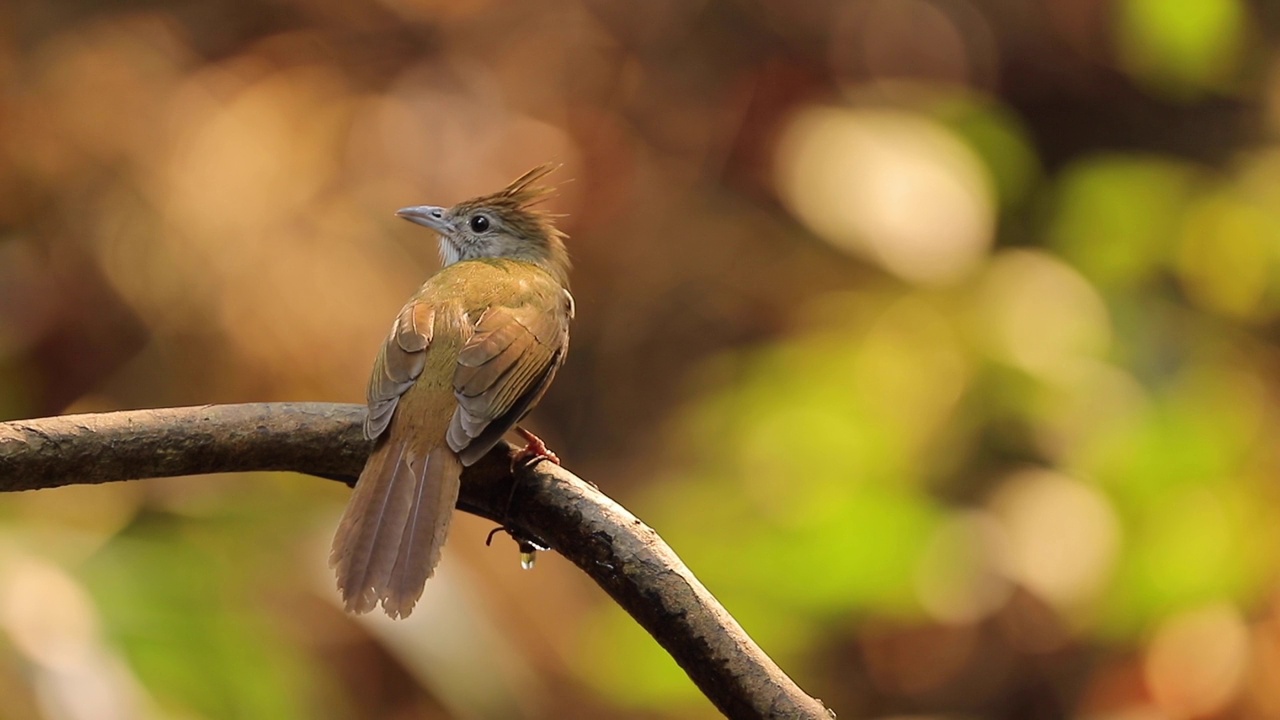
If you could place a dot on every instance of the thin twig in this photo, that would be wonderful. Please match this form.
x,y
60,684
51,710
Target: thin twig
x,y
623,555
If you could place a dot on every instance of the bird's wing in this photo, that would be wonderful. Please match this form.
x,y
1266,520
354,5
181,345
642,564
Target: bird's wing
x,y
399,363
503,371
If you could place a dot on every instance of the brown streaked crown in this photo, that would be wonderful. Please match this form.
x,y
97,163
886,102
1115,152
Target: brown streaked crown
x,y
517,205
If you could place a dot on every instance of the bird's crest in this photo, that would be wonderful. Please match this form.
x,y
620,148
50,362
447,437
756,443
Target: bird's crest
x,y
524,192
516,205
517,202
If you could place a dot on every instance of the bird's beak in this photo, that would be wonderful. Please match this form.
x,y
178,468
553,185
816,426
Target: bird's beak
x,y
425,215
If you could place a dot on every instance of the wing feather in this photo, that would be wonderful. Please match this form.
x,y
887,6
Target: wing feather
x,y
399,363
505,366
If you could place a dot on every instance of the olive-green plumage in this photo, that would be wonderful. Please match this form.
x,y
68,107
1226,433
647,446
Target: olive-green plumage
x,y
467,357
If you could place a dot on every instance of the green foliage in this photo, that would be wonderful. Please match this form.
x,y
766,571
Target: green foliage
x,y
176,598
819,468
1115,216
1181,48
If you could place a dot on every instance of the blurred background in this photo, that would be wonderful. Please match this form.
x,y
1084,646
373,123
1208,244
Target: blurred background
x,y
941,338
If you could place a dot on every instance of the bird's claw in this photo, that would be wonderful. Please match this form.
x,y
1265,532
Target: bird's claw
x,y
534,451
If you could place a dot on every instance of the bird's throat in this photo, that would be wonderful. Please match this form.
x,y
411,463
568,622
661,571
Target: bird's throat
x,y
449,253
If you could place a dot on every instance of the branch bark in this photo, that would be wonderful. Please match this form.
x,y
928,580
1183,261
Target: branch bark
x,y
623,555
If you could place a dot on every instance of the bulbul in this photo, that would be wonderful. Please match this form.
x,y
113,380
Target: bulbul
x,y
467,357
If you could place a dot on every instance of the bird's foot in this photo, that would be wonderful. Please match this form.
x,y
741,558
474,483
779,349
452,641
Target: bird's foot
x,y
533,451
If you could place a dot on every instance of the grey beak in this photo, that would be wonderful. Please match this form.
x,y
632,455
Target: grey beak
x,y
425,215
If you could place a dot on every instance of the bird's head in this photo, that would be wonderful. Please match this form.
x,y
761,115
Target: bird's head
x,y
506,224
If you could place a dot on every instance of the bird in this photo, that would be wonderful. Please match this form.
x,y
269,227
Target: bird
x,y
469,355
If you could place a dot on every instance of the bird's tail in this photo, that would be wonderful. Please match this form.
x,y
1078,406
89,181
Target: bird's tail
x,y
390,537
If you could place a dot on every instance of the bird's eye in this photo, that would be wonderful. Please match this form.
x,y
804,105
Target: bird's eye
x,y
479,223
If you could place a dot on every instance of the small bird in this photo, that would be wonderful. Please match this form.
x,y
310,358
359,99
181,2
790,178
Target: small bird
x,y
467,358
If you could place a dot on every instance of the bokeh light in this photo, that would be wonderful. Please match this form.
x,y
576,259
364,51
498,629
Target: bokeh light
x,y
1196,662
1063,536
1181,49
897,189
1040,315
938,337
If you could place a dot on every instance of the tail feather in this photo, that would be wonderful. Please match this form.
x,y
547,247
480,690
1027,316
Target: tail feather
x,y
434,498
399,496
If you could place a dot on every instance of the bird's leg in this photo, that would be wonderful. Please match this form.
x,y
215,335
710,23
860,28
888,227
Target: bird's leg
x,y
529,546
533,451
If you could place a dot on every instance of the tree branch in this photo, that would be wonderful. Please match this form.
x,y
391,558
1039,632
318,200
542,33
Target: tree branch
x,y
546,502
